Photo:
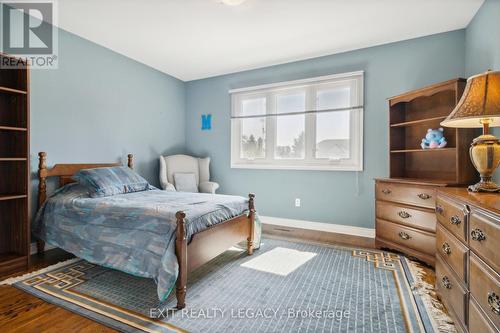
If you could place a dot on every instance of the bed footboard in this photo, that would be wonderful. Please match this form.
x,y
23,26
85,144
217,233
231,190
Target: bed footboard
x,y
251,221
208,244
181,253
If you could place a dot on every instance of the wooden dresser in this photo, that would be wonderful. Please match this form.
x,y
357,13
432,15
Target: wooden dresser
x,y
468,258
405,219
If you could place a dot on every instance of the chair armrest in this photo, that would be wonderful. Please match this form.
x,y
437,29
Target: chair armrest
x,y
208,187
168,187
163,176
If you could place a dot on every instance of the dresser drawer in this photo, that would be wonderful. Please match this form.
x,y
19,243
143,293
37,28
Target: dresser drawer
x,y
416,239
453,216
485,288
412,217
423,196
453,252
484,237
477,320
452,293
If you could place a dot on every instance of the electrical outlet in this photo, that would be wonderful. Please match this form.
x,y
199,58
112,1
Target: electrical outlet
x,y
297,202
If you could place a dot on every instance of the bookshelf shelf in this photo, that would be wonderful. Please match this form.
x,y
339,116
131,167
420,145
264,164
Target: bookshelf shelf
x,y
12,91
419,121
11,128
427,151
12,197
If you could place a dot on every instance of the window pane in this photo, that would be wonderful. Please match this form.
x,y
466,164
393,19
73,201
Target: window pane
x,y
333,128
253,130
253,138
290,129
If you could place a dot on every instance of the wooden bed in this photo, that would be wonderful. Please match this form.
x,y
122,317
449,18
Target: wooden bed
x,y
203,247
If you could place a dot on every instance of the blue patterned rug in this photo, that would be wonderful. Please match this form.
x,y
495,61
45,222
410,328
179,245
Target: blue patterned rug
x,y
284,287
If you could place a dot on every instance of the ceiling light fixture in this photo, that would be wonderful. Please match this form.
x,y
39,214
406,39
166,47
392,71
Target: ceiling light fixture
x,y
231,2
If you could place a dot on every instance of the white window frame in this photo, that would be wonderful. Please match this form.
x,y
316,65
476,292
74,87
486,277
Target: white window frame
x,y
310,162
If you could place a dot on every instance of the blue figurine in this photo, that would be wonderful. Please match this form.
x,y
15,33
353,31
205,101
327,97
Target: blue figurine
x,y
434,139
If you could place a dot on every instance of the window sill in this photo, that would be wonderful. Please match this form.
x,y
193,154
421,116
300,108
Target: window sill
x,y
322,167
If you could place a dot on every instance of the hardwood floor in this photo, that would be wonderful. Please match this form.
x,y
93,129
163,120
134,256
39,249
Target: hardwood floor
x,y
21,312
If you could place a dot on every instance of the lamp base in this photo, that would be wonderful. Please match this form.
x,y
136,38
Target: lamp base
x,y
485,155
484,186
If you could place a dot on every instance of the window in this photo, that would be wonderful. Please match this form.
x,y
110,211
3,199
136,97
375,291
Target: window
x,y
312,124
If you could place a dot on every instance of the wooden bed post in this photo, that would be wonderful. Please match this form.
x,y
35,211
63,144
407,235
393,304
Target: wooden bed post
x,y
251,218
42,193
130,162
181,253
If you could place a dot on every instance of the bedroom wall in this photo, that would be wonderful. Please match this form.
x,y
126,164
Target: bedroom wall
x,y
100,105
327,196
482,45
482,39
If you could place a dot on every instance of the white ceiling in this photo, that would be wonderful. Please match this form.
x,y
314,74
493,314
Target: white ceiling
x,y
193,39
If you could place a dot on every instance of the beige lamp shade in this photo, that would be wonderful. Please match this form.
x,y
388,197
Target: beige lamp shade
x,y
480,103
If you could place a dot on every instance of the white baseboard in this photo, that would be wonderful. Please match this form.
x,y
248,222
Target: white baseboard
x,y
34,250
319,226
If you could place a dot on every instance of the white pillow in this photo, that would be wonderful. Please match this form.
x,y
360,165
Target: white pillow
x,y
185,182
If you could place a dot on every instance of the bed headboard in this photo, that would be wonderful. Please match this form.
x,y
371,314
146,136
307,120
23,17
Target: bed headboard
x,y
65,173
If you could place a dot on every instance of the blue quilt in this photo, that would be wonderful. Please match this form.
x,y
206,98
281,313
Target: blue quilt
x,y
133,232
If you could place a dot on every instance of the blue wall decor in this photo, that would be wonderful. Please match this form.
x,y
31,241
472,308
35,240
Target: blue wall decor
x,y
206,122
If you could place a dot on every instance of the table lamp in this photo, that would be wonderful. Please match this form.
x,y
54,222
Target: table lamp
x,y
480,107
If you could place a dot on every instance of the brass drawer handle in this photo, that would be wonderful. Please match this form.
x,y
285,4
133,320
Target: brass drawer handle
x,y
494,302
446,248
386,191
404,235
446,282
403,214
424,196
455,220
478,235
439,209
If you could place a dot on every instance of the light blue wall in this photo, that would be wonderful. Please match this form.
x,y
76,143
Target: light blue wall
x,y
332,197
99,106
482,39
482,45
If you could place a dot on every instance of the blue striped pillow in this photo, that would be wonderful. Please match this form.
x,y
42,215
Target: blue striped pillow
x,y
103,182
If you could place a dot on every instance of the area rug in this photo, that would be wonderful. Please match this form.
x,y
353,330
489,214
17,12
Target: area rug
x,y
284,287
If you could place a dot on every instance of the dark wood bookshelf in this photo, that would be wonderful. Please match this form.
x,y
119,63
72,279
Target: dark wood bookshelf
x,y
14,169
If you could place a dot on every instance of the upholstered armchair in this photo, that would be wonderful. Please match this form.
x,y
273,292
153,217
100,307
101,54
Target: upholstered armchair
x,y
182,167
